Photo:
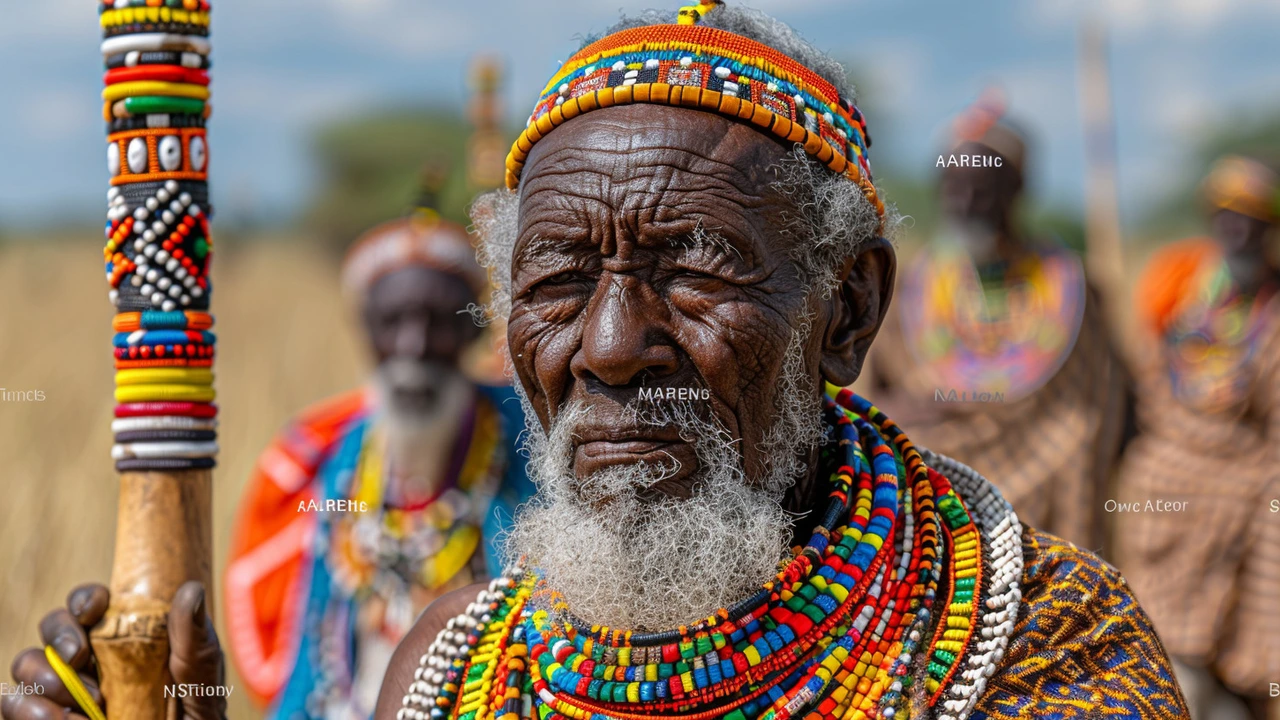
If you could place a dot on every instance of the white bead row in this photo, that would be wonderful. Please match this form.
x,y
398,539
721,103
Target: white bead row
x,y
1002,539
450,644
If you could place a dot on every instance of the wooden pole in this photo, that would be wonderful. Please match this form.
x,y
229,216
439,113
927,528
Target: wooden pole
x,y
1103,236
157,261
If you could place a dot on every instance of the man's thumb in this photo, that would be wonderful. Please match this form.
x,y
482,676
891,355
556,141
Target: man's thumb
x,y
194,655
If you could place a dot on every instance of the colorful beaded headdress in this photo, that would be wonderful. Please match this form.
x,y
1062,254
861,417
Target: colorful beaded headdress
x,y
981,123
694,66
426,241
1245,186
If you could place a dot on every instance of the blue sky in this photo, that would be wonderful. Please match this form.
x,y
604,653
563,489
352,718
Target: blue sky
x,y
1180,67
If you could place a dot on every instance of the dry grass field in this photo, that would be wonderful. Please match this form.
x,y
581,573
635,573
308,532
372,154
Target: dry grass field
x,y
286,339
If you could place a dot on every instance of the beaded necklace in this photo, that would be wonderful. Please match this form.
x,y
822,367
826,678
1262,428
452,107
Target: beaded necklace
x,y
1212,342
1008,335
902,597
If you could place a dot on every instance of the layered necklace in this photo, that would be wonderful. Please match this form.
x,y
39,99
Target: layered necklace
x,y
903,596
1006,332
1212,343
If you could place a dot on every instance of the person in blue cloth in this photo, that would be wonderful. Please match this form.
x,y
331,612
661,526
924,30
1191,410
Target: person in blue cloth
x,y
372,504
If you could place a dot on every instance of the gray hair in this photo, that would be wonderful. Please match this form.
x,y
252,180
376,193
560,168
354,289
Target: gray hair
x,y
833,217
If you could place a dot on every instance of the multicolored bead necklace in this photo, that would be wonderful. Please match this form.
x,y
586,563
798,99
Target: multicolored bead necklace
x,y
1211,344
1009,335
902,596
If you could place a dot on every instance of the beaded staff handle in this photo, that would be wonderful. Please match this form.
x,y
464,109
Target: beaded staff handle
x,y
156,56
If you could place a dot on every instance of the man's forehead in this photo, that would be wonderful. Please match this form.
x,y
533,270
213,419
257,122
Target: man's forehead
x,y
659,176
629,144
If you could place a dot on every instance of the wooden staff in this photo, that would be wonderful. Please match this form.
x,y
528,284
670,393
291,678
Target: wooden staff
x,y
157,260
1104,239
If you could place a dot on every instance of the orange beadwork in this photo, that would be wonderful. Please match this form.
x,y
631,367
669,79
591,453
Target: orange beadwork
x,y
694,66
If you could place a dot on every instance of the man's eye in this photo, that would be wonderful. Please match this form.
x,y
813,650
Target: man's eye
x,y
685,279
563,285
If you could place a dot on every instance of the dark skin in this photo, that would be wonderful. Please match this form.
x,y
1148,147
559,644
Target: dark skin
x,y
1243,240
413,313
609,294
611,195
983,196
194,656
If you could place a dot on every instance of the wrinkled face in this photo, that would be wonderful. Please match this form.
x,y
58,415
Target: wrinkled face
x,y
652,255
418,329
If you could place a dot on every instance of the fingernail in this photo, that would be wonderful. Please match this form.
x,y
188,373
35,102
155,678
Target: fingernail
x,y
197,612
67,645
77,603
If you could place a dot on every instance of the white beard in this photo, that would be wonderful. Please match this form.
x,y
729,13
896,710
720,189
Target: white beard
x,y
418,442
621,557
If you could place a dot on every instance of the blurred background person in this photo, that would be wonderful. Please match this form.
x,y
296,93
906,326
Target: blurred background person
x,y
999,351
1207,568
373,503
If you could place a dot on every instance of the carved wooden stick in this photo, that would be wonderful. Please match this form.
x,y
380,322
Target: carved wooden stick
x,y
157,262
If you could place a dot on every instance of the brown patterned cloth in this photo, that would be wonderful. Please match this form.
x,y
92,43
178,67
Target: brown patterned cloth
x,y
1051,453
1209,575
1082,647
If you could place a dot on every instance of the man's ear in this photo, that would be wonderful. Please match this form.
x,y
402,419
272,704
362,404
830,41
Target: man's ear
x,y
858,308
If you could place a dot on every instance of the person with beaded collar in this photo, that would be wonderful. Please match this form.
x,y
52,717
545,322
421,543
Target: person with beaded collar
x,y
1209,407
691,207
692,260
998,349
376,502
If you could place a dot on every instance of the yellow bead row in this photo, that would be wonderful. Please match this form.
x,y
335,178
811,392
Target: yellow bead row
x,y
129,16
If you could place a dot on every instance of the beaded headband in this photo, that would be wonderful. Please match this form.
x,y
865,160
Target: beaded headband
x,y
1243,185
694,66
425,240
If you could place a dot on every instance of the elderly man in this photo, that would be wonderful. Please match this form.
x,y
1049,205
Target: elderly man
x,y
372,504
998,351
1206,456
693,258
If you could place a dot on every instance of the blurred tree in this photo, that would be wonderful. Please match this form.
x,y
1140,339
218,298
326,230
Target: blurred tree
x,y
371,170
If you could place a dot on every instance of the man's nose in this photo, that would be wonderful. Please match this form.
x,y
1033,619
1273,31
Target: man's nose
x,y
412,339
626,335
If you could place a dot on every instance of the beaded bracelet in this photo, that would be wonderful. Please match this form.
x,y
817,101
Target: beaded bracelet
x,y
163,362
145,42
141,437
165,376
156,320
162,422
135,58
163,464
151,409
160,393
151,451
156,73
158,105
176,4
139,338
145,352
